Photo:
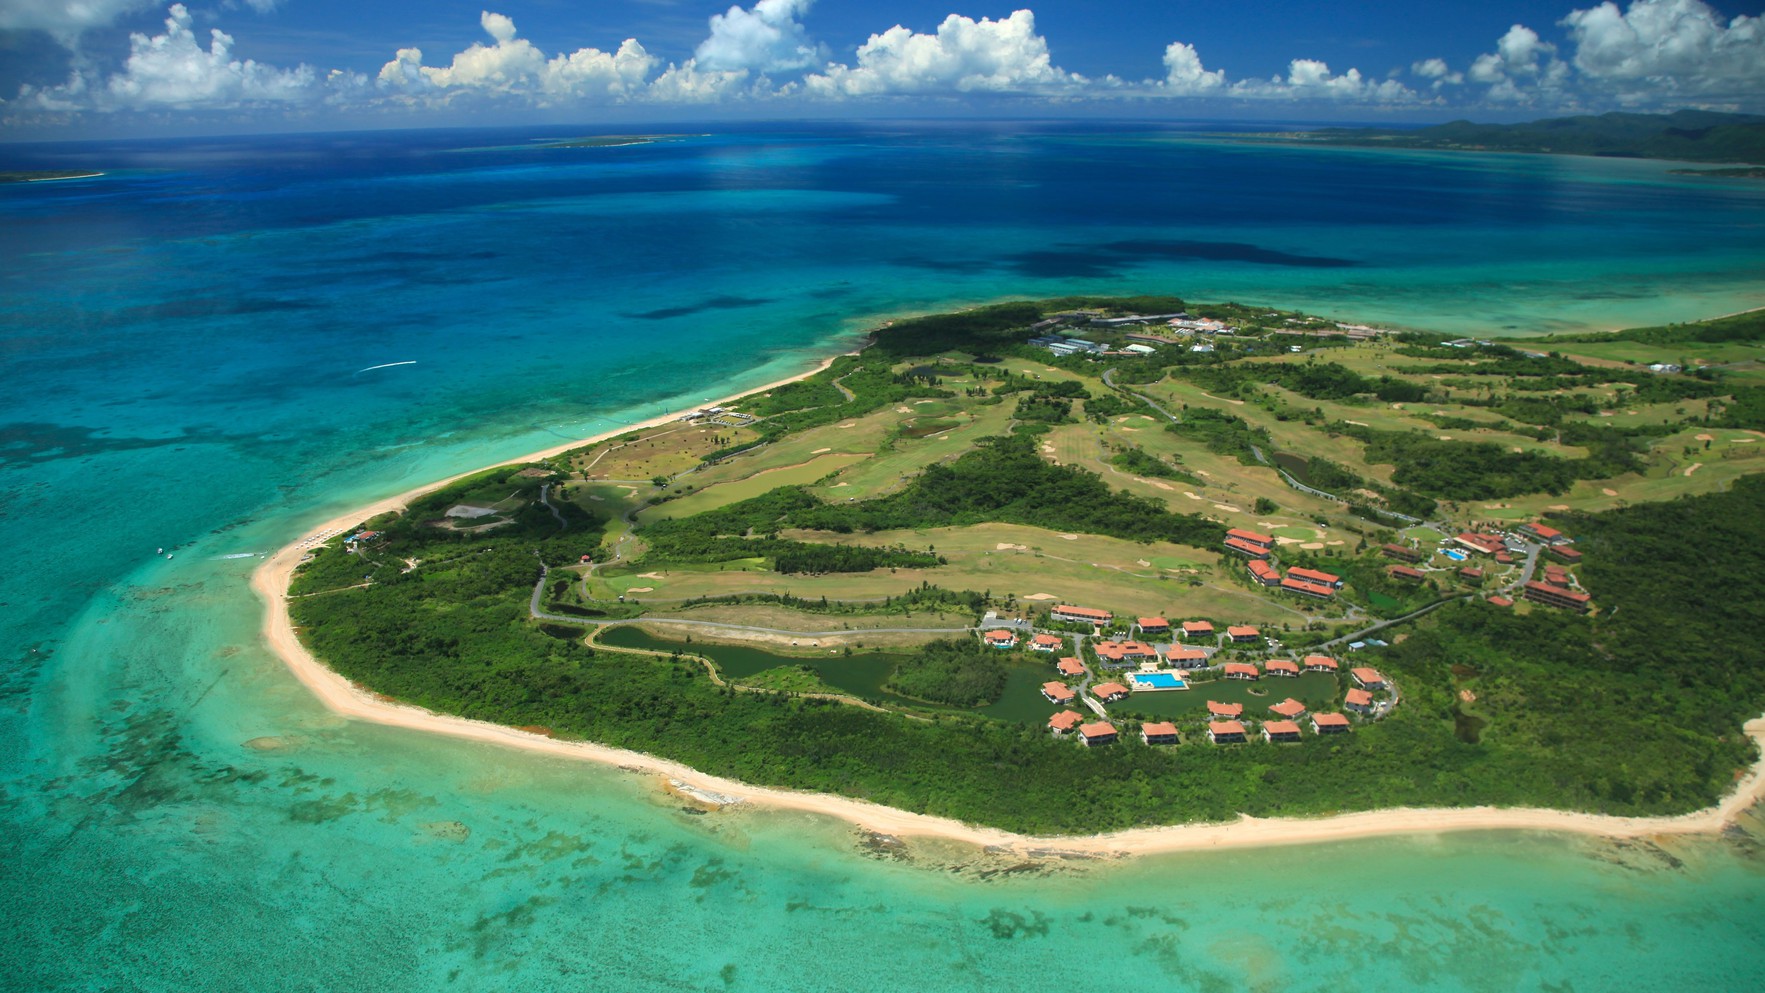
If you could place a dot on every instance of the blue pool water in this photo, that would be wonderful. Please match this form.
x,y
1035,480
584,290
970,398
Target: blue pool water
x,y
1158,681
1455,555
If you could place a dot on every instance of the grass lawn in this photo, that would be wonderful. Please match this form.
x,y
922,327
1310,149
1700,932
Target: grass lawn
x,y
724,494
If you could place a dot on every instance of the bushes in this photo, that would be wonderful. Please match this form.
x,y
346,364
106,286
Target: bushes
x,y
956,673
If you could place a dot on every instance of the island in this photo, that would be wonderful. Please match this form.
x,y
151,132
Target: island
x,y
1101,566
46,175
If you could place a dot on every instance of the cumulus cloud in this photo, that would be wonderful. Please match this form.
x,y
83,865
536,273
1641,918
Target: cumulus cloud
x,y
65,19
1523,69
1437,70
1680,46
514,66
767,38
964,56
174,71
1184,73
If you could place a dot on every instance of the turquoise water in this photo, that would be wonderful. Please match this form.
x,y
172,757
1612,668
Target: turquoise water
x,y
187,345
1159,680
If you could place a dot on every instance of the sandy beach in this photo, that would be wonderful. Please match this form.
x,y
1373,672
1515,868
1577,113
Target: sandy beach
x,y
271,581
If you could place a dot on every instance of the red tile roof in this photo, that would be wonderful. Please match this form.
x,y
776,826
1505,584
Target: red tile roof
x,y
1064,720
1240,545
1106,691
1158,729
1330,720
1088,612
1070,667
1218,709
1403,572
1115,651
1001,635
1544,531
1366,674
1360,698
1197,627
1058,692
1262,570
1470,572
1218,728
1485,543
1250,536
1314,576
1240,669
1153,622
1243,631
1281,665
1280,727
1179,653
1097,729
1301,586
1322,661
1288,708
1501,601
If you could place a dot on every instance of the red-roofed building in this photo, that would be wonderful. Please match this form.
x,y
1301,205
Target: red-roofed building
x,y
1229,710
1359,701
1070,667
1551,596
1183,655
1241,670
1243,547
1329,579
1084,615
1197,629
1367,678
1500,601
1405,573
1159,733
1289,708
1100,733
1154,625
1281,667
1308,589
1482,544
1545,533
1471,574
1280,731
1047,643
1124,653
1262,541
1109,692
1564,553
1329,723
1058,692
1064,721
1403,553
1002,638
1320,663
1225,732
1241,633
1504,558
1264,573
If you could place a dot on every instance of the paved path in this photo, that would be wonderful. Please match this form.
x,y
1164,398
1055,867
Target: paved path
x,y
1109,381
1382,625
545,498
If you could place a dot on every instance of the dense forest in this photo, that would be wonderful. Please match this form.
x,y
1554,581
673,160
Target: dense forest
x,y
957,673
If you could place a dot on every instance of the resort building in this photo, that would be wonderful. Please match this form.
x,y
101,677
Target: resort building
x,y
1504,557
1047,643
1406,573
1289,708
1002,638
1100,733
1500,601
1226,711
1552,596
1564,554
1304,588
1109,692
1225,732
1329,723
1471,574
1359,701
1150,626
1058,692
1281,667
1367,679
1556,576
1482,544
1197,629
1544,533
1303,574
1125,653
1320,663
1070,667
1083,615
1242,634
1264,573
1241,670
1250,543
1064,721
1183,655
1277,731
1159,733
1402,553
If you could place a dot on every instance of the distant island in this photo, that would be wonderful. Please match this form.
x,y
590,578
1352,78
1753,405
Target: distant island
x,y
46,175
605,140
1096,564
1685,135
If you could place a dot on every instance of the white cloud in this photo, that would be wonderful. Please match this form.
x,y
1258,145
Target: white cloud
x,y
1523,69
767,38
65,19
1677,46
1311,79
964,56
514,66
1437,70
1184,73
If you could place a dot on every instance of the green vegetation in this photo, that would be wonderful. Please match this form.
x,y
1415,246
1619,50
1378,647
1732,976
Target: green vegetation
x,y
1686,135
957,673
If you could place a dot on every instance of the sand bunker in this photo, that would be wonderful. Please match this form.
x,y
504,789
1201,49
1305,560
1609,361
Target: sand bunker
x,y
1745,441
917,403
597,499
1192,496
848,424
903,410
1609,492
1397,406
821,451
1706,437
840,485
649,575
1006,546
1164,486
1444,437
1312,546
468,511
1335,542
1286,541
1048,448
1694,467
1558,506
1228,508
1038,596
1068,537
1143,562
641,589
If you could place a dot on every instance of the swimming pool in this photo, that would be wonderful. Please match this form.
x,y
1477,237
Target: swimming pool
x,y
1455,555
1157,681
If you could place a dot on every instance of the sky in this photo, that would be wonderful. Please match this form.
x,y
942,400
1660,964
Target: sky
x,y
101,68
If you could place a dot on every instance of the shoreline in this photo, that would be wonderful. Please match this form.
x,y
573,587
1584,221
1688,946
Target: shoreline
x,y
271,579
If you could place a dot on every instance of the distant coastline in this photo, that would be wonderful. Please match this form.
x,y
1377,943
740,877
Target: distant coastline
x,y
46,175
272,579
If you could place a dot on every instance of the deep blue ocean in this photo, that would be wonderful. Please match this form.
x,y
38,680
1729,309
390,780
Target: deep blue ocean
x,y
188,344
